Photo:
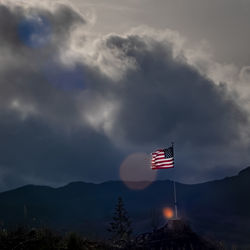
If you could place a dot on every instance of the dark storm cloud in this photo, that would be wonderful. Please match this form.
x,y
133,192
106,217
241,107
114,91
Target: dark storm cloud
x,y
76,118
166,99
28,73
224,24
33,152
43,138
61,20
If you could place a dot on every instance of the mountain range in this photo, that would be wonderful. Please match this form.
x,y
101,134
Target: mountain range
x,y
217,209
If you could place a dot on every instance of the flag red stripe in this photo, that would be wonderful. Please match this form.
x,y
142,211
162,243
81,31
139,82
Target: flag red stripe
x,y
161,168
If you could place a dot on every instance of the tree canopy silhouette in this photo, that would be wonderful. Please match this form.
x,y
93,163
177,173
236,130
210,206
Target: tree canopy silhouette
x,y
120,227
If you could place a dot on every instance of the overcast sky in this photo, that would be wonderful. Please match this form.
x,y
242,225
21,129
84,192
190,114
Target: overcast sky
x,y
86,84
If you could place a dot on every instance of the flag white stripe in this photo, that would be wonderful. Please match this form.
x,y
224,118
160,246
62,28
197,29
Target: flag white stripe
x,y
159,161
164,163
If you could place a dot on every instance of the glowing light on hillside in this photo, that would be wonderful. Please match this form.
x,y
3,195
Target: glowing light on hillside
x,y
168,213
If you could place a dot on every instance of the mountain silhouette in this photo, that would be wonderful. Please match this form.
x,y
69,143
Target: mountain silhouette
x,y
217,209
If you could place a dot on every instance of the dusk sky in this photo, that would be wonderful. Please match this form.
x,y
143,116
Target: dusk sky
x,y
87,86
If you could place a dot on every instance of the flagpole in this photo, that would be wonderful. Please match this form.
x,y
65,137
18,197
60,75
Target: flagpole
x,y
175,202
175,198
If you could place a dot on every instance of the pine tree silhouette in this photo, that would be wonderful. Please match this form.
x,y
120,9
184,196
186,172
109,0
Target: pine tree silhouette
x,y
120,227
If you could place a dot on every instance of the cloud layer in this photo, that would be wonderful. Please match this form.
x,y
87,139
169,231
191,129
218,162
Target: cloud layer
x,y
73,106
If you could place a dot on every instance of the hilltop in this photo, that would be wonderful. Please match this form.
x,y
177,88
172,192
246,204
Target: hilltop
x,y
218,209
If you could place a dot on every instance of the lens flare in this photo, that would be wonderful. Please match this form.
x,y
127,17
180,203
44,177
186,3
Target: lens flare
x,y
65,78
168,213
135,171
34,31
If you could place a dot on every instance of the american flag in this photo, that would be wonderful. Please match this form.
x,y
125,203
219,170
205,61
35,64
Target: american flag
x,y
163,158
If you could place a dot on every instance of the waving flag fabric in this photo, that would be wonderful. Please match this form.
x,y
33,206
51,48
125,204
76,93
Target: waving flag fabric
x,y
163,158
